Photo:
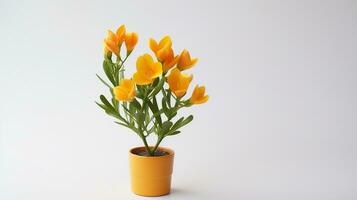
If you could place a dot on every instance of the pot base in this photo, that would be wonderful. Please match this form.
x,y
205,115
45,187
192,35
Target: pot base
x,y
151,187
151,176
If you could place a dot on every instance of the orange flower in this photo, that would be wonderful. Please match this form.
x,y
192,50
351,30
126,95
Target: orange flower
x,y
125,91
179,82
161,49
121,34
198,95
170,61
130,41
146,70
112,42
185,61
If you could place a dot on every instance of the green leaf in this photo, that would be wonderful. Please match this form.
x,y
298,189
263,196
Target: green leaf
x,y
109,111
108,70
165,128
169,97
140,88
156,81
139,92
116,75
140,117
125,108
177,124
172,114
122,124
104,82
158,87
107,107
180,123
106,102
155,110
164,107
174,133
129,126
131,115
115,104
151,129
187,120
147,115
102,106
136,104
132,110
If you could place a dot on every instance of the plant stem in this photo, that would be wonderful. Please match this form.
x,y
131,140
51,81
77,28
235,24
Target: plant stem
x,y
122,63
157,144
147,146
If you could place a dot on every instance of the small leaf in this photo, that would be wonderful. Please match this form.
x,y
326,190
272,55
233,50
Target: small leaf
x,y
104,82
110,111
158,87
169,97
116,75
147,116
165,109
115,103
102,106
140,117
125,108
155,110
122,124
151,129
172,114
174,133
132,110
108,70
187,120
177,124
165,128
139,92
156,81
180,123
136,104
132,117
129,126
106,102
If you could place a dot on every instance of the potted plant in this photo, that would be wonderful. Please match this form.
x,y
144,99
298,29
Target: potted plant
x,y
148,103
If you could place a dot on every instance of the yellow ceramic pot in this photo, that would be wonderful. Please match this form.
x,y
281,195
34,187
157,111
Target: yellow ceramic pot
x,y
151,176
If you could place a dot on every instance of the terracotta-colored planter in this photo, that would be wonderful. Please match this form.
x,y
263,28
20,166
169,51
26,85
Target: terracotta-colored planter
x,y
151,176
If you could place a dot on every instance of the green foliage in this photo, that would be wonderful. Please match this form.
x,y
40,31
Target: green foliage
x,y
108,68
144,115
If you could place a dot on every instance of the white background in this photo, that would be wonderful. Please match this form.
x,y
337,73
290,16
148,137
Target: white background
x,y
280,123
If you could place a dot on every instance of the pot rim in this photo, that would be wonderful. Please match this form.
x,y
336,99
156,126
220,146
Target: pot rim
x,y
165,149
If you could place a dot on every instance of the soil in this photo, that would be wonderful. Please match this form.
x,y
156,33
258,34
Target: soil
x,y
145,153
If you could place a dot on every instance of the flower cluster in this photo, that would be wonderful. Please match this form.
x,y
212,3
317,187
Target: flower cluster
x,y
114,41
148,70
134,100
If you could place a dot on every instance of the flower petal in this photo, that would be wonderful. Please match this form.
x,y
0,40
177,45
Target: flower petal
x,y
202,100
180,93
153,45
165,42
198,95
144,63
109,44
156,69
141,79
131,39
179,82
120,94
